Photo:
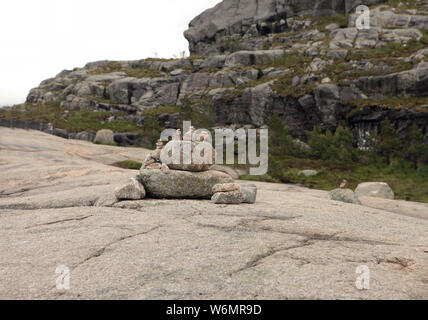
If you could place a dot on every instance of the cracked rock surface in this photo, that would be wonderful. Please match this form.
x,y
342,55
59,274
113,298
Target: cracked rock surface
x,y
293,243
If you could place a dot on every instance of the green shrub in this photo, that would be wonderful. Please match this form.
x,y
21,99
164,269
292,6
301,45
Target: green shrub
x,y
129,164
417,150
280,140
150,132
200,112
336,147
387,144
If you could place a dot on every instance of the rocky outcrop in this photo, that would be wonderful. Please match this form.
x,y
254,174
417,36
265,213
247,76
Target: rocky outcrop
x,y
365,123
411,83
310,74
216,29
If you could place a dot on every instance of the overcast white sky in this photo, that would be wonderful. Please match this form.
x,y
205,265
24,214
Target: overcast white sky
x,y
40,38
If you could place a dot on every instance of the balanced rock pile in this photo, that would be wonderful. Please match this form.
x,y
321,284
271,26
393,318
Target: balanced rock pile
x,y
192,180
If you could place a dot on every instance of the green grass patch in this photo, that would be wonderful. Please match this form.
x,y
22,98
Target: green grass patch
x,y
142,72
424,39
136,72
129,164
160,110
72,121
321,22
391,50
403,6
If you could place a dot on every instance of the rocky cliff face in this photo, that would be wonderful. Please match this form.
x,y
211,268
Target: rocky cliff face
x,y
234,20
313,69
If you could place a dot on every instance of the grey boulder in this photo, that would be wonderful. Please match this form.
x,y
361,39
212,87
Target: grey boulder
x,y
104,137
126,138
60,133
344,195
85,136
374,189
250,193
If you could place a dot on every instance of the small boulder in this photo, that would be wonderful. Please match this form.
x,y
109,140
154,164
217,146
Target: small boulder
x,y
250,193
126,138
226,187
344,195
133,190
104,137
230,197
85,136
60,133
177,72
308,173
375,189
332,26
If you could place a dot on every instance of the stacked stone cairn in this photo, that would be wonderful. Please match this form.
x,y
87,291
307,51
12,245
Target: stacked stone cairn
x,y
181,180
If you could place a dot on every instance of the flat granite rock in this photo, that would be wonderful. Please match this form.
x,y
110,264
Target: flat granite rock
x,y
182,184
293,243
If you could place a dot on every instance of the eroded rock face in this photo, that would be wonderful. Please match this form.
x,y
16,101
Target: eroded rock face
x,y
211,31
181,184
411,83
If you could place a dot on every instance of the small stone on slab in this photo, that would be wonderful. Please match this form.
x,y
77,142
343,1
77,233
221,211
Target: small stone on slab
x,y
231,197
133,190
250,193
